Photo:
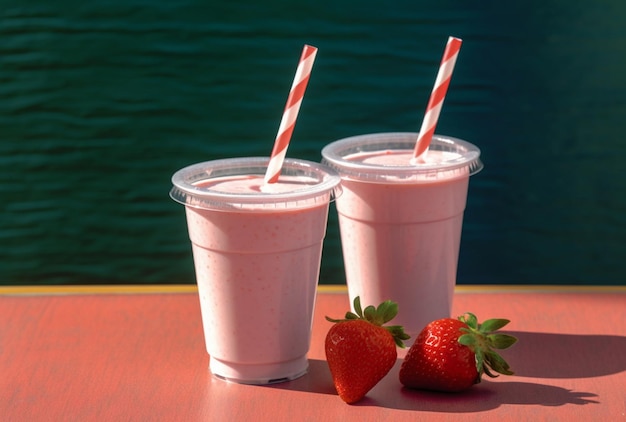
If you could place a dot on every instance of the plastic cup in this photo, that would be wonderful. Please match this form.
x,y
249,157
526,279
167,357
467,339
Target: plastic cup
x,y
400,223
257,254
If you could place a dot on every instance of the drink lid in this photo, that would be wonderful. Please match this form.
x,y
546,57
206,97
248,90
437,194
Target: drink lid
x,y
321,184
461,158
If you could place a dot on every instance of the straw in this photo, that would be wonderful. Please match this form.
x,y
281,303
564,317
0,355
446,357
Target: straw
x,y
290,114
436,97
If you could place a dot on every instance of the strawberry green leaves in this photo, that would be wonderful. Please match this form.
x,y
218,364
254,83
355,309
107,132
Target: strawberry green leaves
x,y
481,339
378,316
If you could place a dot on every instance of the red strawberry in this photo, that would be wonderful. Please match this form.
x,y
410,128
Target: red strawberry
x,y
360,351
452,354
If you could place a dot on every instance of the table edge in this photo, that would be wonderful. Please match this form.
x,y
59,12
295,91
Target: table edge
x,y
323,288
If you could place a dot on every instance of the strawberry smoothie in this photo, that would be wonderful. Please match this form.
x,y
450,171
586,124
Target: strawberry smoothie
x,y
257,252
400,222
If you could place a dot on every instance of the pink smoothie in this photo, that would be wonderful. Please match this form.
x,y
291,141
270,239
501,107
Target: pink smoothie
x,y
401,238
257,268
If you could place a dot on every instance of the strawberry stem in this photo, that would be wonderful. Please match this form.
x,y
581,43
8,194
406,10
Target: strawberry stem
x,y
480,338
379,316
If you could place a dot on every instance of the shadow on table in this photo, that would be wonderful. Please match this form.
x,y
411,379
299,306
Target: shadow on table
x,y
316,380
485,396
544,355
535,355
389,393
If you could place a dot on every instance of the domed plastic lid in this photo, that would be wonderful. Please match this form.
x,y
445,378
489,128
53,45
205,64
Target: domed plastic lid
x,y
447,158
302,184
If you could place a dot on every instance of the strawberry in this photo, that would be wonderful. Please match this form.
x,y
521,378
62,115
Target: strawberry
x,y
452,354
360,351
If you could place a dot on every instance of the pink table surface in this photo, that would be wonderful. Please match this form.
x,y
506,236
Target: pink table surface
x,y
116,353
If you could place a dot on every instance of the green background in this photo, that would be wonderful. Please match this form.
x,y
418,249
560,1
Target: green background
x,y
101,102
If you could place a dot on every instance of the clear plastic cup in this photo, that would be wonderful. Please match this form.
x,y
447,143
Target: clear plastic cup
x,y
400,223
257,253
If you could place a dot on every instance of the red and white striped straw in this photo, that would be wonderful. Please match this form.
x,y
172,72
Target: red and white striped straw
x,y
290,114
437,96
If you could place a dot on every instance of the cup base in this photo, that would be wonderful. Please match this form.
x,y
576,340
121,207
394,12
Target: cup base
x,y
272,373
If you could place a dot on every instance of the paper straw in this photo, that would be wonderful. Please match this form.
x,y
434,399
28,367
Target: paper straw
x,y
288,121
437,96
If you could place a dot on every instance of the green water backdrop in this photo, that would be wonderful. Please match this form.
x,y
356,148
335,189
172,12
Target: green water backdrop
x,y
101,101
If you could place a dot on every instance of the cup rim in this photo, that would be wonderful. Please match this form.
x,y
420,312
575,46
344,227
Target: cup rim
x,y
186,191
334,156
